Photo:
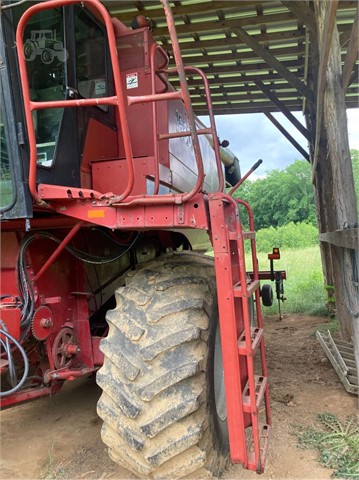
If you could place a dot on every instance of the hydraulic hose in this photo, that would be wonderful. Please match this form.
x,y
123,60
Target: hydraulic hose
x,y
6,345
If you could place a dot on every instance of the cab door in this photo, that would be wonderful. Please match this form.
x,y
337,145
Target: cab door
x,y
72,62
15,200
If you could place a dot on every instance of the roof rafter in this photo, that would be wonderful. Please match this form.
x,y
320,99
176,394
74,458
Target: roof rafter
x,y
302,11
281,68
352,53
282,108
287,135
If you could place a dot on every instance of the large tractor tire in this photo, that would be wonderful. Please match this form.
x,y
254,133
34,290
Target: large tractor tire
x,y
163,402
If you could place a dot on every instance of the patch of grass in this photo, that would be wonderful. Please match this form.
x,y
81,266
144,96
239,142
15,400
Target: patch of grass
x,y
336,442
304,287
50,472
332,326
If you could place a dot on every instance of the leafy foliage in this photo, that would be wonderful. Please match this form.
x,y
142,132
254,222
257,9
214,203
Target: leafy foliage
x,y
337,443
300,235
281,197
304,285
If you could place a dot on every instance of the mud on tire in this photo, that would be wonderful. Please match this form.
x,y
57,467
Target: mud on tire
x,y
157,379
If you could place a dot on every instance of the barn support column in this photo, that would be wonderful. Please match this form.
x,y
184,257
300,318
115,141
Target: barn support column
x,y
332,168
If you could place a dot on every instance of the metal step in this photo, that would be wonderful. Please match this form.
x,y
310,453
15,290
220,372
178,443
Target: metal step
x,y
245,235
341,356
256,336
264,435
260,388
251,287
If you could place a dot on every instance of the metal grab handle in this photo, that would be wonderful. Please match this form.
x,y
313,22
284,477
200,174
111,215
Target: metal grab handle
x,y
238,184
154,74
29,106
185,97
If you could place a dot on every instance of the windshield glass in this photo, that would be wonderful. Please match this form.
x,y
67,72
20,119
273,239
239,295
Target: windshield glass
x,y
46,58
6,186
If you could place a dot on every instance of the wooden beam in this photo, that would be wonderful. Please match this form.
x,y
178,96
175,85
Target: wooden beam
x,y
215,25
354,79
253,107
280,105
233,67
287,135
193,59
236,87
258,98
273,62
251,91
303,12
279,38
352,52
225,42
121,9
116,8
346,238
248,96
325,46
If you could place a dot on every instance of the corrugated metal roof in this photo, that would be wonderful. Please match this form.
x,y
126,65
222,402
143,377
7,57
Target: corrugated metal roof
x,y
207,41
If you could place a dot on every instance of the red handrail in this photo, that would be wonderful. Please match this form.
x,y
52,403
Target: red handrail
x,y
184,95
154,48
29,106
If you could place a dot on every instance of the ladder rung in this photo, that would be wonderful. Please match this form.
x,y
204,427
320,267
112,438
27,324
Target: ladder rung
x,y
260,388
249,235
264,434
246,235
251,287
256,336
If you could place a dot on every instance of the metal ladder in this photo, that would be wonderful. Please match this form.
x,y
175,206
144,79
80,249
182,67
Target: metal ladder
x,y
246,392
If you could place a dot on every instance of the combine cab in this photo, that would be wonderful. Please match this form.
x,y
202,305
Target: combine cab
x,y
111,190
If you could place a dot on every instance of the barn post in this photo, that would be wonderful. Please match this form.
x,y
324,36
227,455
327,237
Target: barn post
x,y
332,171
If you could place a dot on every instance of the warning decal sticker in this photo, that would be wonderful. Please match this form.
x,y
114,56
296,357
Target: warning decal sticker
x,y
132,80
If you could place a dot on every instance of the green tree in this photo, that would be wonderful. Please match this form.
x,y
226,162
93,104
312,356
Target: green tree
x,y
281,197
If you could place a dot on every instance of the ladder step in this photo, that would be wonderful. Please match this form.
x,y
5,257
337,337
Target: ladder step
x,y
260,388
256,336
248,235
264,435
251,287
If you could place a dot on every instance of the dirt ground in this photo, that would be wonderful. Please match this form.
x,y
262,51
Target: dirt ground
x,y
59,438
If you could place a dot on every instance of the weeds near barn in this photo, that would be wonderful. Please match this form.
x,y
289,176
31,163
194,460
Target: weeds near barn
x,y
337,444
50,472
304,287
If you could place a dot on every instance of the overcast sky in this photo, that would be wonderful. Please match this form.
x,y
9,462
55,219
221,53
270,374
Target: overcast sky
x,y
253,136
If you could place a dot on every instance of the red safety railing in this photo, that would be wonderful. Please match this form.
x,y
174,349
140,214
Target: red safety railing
x,y
117,100
184,95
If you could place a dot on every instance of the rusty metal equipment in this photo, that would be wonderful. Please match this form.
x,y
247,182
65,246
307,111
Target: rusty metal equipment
x,y
111,192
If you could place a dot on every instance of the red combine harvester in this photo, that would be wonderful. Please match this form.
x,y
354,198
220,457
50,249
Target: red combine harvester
x,y
111,190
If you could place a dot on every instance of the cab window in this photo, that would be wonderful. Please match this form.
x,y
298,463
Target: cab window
x,y
91,56
6,183
46,57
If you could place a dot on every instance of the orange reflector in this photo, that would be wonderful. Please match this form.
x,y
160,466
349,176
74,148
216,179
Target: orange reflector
x,y
96,214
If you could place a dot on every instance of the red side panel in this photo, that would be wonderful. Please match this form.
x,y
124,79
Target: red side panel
x,y
111,176
9,251
100,144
